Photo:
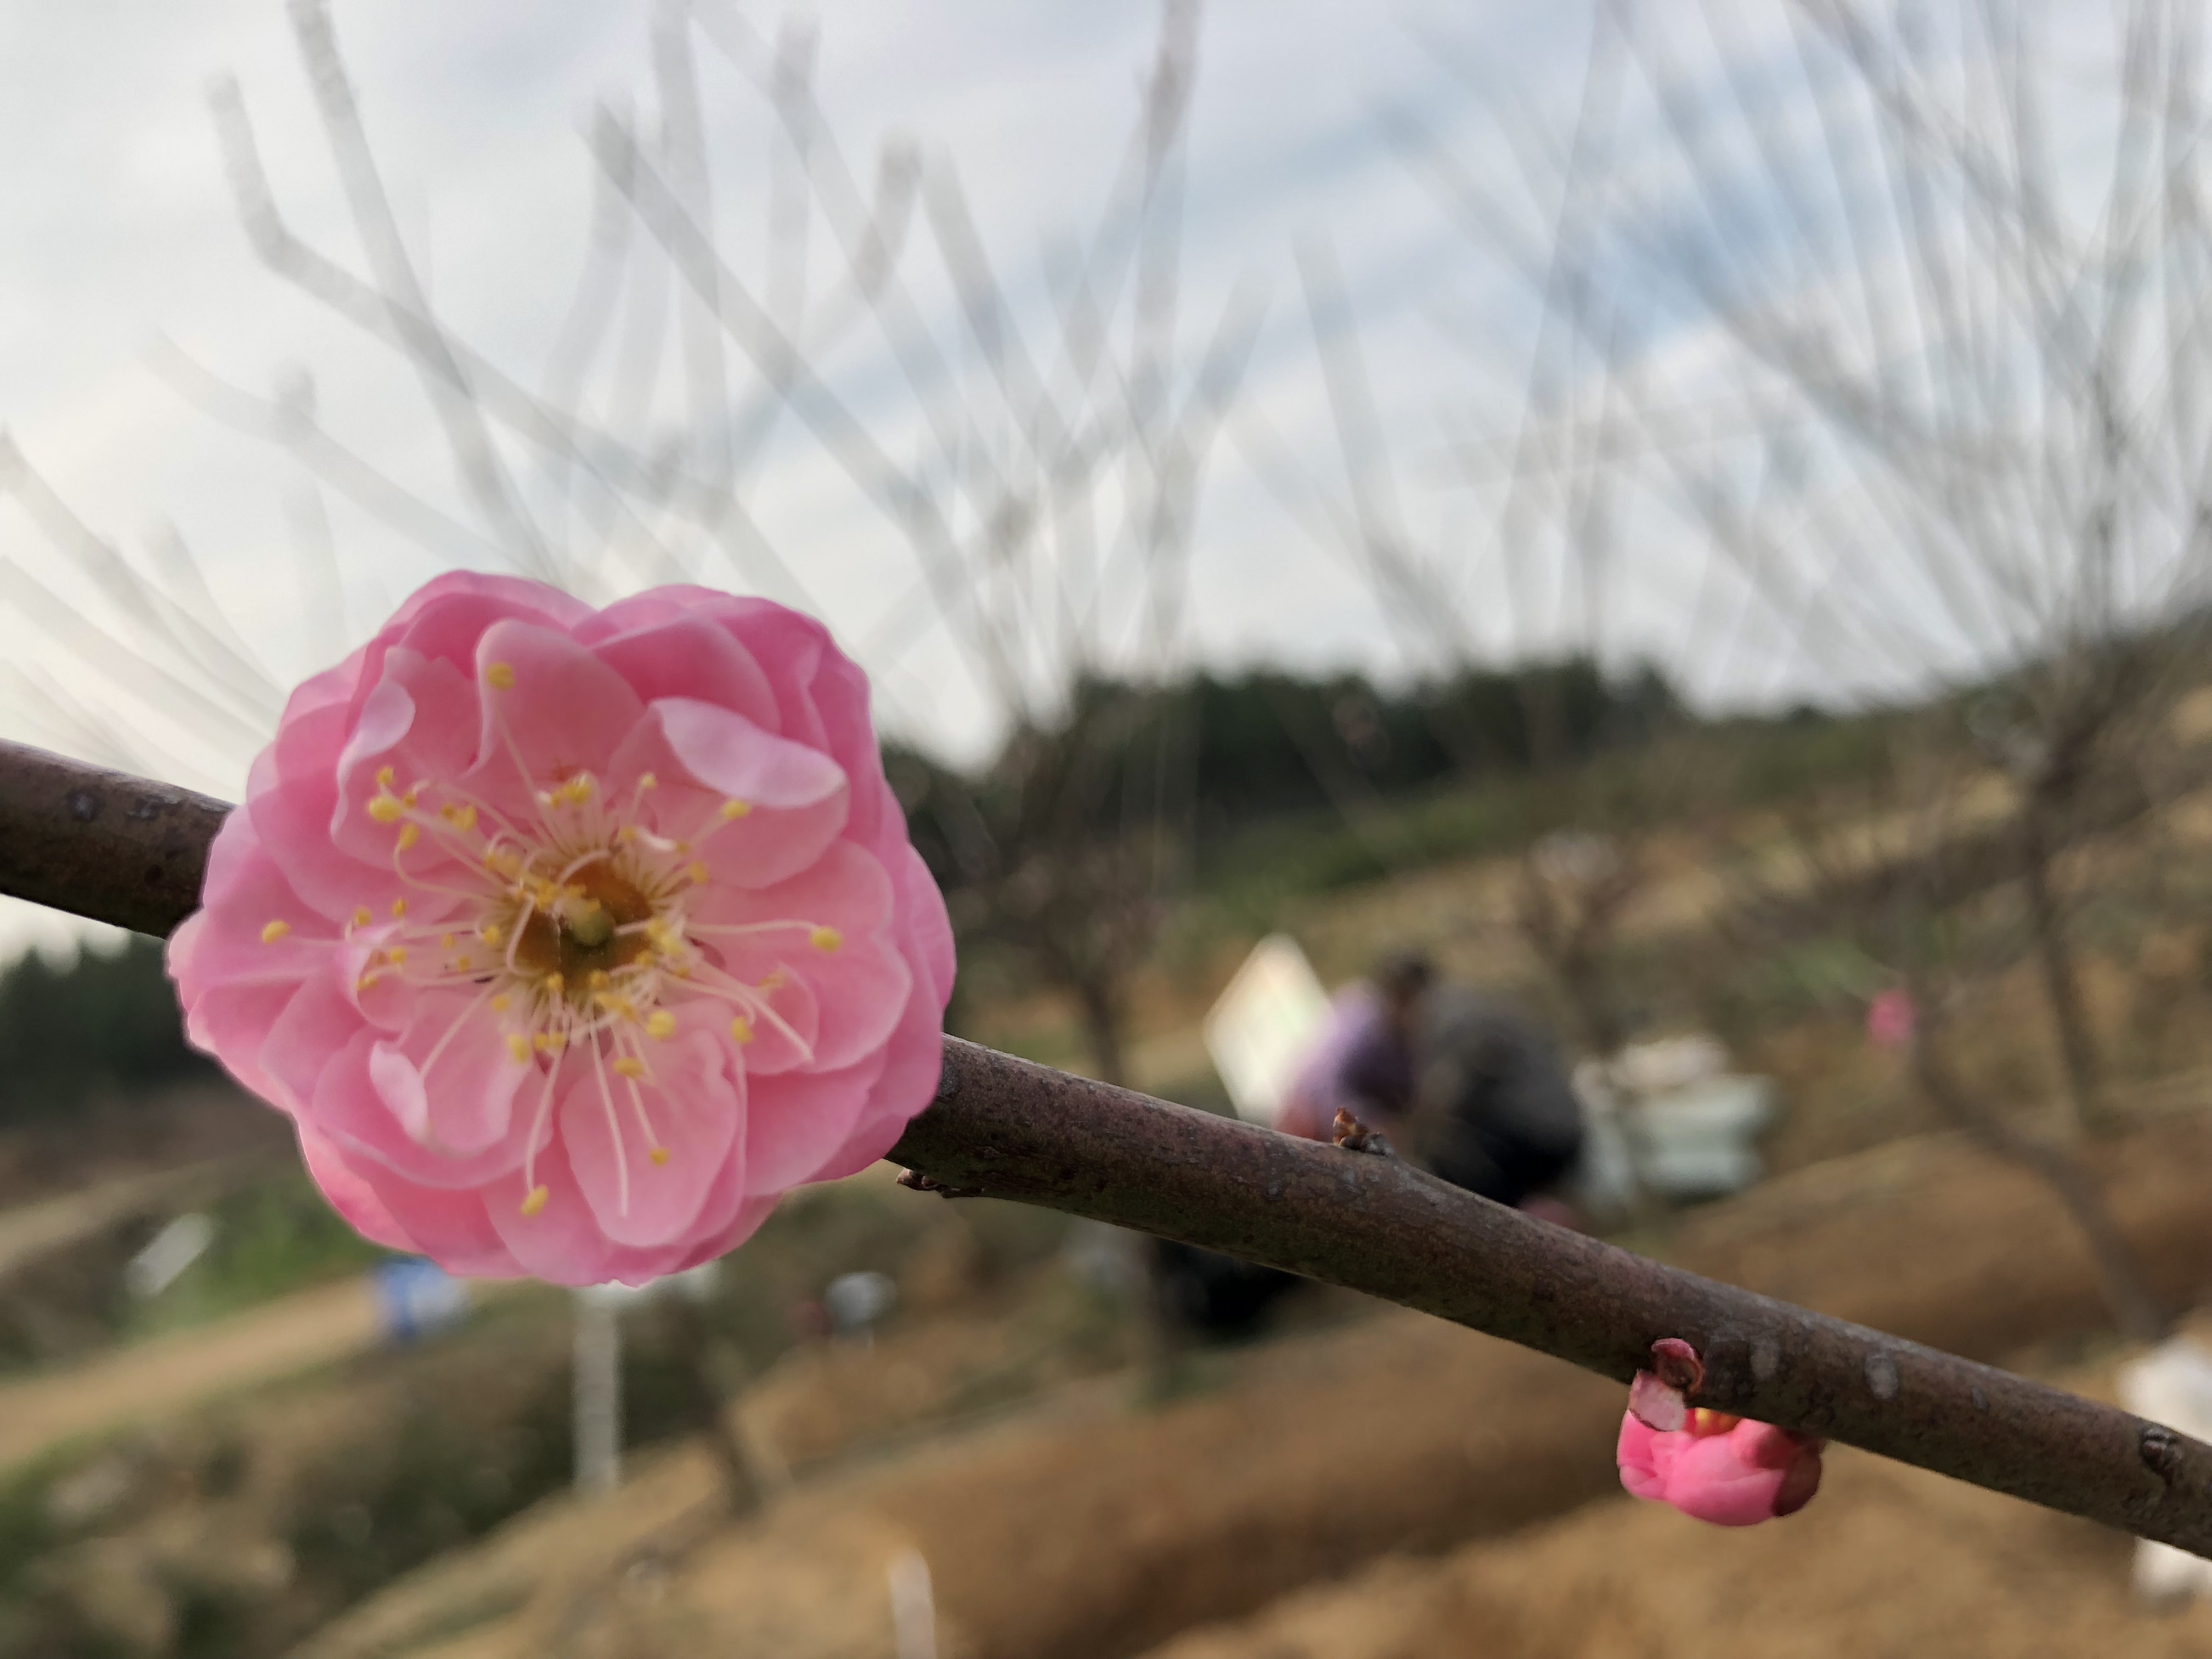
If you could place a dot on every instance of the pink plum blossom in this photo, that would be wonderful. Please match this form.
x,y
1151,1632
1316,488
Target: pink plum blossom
x,y
1727,1470
570,939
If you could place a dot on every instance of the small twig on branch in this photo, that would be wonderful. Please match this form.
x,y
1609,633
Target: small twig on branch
x,y
124,850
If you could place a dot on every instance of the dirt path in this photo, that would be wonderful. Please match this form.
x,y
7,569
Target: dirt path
x,y
170,1374
28,1231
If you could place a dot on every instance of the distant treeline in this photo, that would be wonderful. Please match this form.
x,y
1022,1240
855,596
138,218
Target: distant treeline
x,y
107,1025
1217,753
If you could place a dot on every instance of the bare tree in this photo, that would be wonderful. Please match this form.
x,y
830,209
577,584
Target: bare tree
x,y
1898,318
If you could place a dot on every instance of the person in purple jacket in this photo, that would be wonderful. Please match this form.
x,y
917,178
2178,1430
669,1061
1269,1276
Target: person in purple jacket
x,y
1362,1062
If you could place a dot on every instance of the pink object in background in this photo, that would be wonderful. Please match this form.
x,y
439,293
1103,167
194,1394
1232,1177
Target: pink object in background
x,y
1890,1018
1726,1470
570,939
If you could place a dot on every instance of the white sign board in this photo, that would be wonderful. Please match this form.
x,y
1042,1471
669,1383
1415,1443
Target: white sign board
x,y
1263,1024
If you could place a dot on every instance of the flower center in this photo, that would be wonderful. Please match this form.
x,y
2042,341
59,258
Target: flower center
x,y
593,928
575,929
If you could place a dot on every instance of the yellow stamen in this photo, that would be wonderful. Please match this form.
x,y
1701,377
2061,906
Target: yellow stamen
x,y
445,941
385,774
735,809
698,873
385,809
409,835
659,1155
599,979
555,984
274,931
490,933
649,781
741,1028
396,955
826,939
465,820
536,1201
398,908
629,1066
500,675
407,800
501,1003
361,918
660,1024
518,1046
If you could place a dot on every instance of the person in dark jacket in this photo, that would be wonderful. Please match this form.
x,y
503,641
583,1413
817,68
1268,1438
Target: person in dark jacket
x,y
1493,1110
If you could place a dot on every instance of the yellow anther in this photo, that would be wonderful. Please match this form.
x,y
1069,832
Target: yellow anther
x,y
629,1066
825,939
384,775
741,1029
500,675
600,979
464,962
555,984
627,835
735,809
398,908
396,955
518,1046
501,1003
446,941
553,1042
490,933
361,918
660,1024
646,780
697,871
465,820
364,982
387,809
409,835
659,1155
774,980
271,931
407,800
536,1202
580,788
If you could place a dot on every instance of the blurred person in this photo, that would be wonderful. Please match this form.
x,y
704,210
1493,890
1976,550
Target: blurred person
x,y
1493,1110
1363,1062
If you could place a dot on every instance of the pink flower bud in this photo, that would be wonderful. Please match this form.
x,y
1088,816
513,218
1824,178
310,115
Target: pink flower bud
x,y
1728,1470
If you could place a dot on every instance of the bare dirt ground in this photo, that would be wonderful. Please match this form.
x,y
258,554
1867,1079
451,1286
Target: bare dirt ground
x,y
1889,1563
149,1382
1094,1526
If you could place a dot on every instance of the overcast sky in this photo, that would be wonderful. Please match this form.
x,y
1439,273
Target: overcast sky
x,y
122,243
123,257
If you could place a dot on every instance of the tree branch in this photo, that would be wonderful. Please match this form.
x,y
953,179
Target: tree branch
x,y
124,850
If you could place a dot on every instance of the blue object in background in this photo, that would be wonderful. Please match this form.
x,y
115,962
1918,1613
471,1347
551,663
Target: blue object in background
x,y
417,1297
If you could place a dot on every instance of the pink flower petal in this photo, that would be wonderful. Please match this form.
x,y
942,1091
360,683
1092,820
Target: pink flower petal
x,y
677,655
687,1108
